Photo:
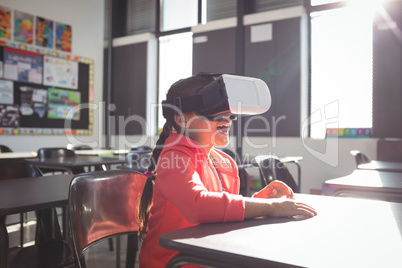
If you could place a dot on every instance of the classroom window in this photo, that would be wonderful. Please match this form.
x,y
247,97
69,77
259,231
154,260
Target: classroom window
x,y
140,16
220,9
341,69
175,62
177,14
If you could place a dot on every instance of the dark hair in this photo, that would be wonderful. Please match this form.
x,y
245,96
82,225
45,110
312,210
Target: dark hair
x,y
182,88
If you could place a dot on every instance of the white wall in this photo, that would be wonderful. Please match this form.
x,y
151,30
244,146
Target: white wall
x,y
87,21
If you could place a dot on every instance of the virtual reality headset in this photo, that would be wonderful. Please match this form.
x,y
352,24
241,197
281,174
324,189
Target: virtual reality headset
x,y
230,95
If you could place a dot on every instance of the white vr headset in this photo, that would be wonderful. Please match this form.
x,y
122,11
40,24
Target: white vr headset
x,y
228,95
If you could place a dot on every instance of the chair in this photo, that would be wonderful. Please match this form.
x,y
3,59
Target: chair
x,y
272,168
49,249
5,149
360,158
138,160
57,152
143,148
103,204
76,147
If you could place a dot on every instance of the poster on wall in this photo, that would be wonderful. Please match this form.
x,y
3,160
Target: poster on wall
x,y
23,27
5,23
60,72
6,92
33,101
63,37
22,65
9,116
61,102
44,32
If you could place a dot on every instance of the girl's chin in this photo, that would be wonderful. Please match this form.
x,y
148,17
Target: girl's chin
x,y
221,142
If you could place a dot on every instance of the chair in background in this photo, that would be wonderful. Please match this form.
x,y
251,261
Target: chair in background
x,y
49,249
360,158
138,160
142,148
5,149
57,152
103,205
272,168
76,147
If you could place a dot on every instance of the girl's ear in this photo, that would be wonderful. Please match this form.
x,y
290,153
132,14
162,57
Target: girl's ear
x,y
180,120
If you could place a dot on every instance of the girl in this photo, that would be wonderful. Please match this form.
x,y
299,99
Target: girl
x,y
195,183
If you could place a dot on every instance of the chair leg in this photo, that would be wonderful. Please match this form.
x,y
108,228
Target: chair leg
x,y
22,230
111,248
3,242
132,248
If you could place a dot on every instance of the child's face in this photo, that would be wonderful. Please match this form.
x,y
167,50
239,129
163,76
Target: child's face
x,y
207,133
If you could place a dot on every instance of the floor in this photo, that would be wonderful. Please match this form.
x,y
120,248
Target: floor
x,y
98,256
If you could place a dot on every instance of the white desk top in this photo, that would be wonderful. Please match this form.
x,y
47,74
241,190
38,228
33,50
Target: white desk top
x,y
100,152
10,155
347,232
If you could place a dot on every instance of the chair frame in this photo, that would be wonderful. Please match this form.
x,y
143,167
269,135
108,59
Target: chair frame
x,y
265,181
93,218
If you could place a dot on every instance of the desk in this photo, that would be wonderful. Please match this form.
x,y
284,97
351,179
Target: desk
x,y
382,166
347,232
367,183
100,152
31,194
16,155
68,163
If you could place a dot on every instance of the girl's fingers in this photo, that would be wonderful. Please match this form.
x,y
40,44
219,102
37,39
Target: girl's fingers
x,y
304,207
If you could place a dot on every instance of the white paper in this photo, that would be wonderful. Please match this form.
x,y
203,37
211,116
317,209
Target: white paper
x,y
6,92
60,73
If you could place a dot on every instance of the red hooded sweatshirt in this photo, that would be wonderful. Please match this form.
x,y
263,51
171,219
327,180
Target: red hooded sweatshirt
x,y
189,191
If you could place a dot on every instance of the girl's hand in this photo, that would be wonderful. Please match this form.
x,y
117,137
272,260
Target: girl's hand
x,y
288,208
275,189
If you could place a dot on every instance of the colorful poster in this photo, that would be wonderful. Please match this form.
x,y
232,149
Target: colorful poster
x,y
33,100
60,72
63,37
44,32
22,65
9,116
6,92
5,23
23,27
61,101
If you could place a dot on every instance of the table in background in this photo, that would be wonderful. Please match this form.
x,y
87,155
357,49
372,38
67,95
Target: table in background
x,y
31,194
347,232
100,152
382,185
382,166
17,155
68,163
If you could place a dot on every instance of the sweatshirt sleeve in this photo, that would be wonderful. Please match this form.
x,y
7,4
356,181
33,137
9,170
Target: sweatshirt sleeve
x,y
179,182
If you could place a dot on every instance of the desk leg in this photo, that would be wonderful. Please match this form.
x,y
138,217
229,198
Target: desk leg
x,y
3,243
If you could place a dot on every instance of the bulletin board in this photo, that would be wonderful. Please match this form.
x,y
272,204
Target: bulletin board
x,y
44,92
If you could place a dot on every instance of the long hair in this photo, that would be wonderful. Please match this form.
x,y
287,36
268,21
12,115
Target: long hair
x,y
182,88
